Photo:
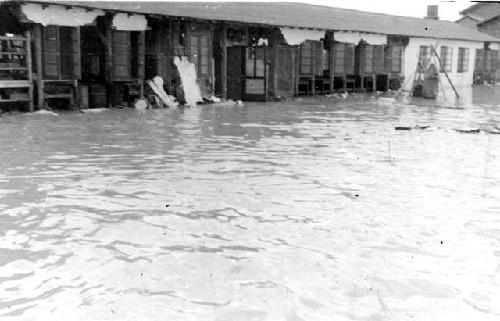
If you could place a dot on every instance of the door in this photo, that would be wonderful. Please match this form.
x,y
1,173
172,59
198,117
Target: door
x,y
285,71
201,57
235,72
256,72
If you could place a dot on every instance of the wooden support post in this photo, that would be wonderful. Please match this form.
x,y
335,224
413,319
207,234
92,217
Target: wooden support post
x,y
224,61
158,48
374,85
30,72
344,82
332,68
297,69
275,68
37,37
108,35
141,65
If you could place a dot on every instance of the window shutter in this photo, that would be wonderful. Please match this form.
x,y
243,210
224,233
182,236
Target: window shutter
x,y
378,59
121,55
349,59
50,52
339,58
318,57
368,59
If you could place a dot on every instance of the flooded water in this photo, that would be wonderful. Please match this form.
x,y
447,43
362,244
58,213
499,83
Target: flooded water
x,y
297,211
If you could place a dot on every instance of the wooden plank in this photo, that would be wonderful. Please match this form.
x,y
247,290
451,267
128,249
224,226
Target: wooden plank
x,y
20,53
14,68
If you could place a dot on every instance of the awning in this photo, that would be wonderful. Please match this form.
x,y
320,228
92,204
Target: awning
x,y
130,22
355,37
297,36
60,15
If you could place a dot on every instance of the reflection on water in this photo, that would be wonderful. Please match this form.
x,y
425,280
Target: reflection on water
x,y
305,210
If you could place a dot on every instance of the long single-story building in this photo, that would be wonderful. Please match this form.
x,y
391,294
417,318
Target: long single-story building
x,y
100,53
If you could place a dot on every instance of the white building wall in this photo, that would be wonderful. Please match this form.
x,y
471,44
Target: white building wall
x,y
461,80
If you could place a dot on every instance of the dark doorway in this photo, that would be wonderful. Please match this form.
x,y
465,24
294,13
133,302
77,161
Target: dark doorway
x,y
235,72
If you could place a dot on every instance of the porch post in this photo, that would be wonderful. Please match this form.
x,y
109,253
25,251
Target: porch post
x,y
332,66
141,61
224,61
37,37
108,33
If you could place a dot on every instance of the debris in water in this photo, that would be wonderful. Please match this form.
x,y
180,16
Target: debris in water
x,y
141,104
214,99
468,131
93,110
45,112
410,128
240,103
495,131
156,84
187,72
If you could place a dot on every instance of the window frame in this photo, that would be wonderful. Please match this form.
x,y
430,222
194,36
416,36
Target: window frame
x,y
446,57
463,60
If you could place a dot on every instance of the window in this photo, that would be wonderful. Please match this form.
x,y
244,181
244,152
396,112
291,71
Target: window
x,y
446,59
61,52
463,59
424,53
491,57
200,53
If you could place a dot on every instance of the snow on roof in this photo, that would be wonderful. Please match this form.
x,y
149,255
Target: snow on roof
x,y
291,14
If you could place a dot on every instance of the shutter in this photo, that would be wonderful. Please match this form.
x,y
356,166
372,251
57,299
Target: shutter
x,y
339,58
306,55
77,70
368,59
50,52
318,57
378,59
121,55
349,59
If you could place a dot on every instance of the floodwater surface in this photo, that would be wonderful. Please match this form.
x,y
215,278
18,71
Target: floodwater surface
x,y
297,211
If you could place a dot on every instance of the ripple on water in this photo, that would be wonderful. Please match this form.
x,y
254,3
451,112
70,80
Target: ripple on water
x,y
305,210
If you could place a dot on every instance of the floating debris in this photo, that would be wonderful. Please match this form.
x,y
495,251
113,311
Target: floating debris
x,y
45,112
411,128
156,84
215,100
495,131
93,110
187,71
468,131
141,104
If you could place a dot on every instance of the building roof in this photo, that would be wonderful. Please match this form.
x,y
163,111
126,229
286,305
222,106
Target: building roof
x,y
482,11
290,14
